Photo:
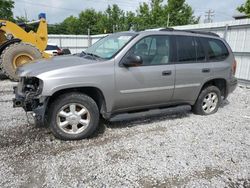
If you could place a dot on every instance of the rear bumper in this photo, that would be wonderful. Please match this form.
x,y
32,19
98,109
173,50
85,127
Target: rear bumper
x,y
34,109
231,86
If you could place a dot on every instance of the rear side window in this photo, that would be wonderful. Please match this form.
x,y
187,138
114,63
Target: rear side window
x,y
189,49
216,49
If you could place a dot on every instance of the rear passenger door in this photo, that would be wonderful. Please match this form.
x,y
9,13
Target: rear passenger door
x,y
191,68
217,55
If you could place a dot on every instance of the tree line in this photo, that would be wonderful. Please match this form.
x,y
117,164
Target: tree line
x,y
148,15
113,19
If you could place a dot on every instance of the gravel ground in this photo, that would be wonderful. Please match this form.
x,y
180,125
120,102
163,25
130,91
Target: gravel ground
x,y
167,148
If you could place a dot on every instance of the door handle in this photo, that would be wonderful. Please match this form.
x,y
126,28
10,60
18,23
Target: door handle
x,y
206,70
166,73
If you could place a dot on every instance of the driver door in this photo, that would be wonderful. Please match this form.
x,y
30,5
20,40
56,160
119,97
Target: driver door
x,y
152,83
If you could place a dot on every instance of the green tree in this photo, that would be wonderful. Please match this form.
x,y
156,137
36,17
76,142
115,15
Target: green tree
x,y
70,25
245,8
6,7
143,17
56,29
159,15
90,19
180,13
130,21
115,18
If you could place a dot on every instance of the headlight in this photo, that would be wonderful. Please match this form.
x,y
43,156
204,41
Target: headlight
x,y
9,36
32,85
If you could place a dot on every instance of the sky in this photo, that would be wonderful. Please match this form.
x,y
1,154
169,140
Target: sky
x,y
58,10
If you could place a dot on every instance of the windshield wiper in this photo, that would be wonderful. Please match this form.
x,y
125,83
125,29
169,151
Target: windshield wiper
x,y
93,55
82,54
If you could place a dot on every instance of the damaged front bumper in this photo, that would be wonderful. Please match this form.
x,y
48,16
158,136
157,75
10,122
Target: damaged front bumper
x,y
34,107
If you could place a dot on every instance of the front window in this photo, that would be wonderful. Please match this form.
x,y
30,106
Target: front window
x,y
107,47
154,50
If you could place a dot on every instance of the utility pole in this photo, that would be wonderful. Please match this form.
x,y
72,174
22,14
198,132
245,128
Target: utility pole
x,y
25,15
209,16
168,20
89,38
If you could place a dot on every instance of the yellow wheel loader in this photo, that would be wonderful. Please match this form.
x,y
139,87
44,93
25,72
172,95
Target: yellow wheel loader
x,y
18,47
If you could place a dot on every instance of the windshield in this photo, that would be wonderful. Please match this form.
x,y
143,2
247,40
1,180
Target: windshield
x,y
107,47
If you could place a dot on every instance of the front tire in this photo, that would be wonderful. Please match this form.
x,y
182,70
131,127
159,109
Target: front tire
x,y
73,116
208,101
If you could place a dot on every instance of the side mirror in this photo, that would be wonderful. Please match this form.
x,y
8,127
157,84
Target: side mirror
x,y
132,61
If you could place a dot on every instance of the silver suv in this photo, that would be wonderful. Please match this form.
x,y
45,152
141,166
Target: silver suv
x,y
127,72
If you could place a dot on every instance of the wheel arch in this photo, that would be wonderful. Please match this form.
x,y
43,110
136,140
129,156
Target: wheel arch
x,y
95,93
221,83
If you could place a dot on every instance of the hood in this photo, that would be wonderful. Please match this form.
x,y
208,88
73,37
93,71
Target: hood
x,y
45,65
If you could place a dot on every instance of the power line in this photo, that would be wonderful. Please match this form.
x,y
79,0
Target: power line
x,y
48,6
128,5
199,10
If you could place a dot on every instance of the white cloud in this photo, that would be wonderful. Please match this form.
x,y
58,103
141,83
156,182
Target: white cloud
x,y
224,9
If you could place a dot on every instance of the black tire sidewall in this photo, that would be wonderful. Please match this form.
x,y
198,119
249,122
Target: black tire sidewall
x,y
197,108
82,99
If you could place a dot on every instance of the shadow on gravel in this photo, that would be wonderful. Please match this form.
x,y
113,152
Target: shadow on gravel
x,y
224,103
130,120
2,76
19,136
41,140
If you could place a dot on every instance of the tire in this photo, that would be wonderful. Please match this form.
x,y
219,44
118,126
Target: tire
x,y
207,104
71,128
16,55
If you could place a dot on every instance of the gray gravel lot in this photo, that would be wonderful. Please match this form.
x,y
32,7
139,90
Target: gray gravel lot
x,y
167,148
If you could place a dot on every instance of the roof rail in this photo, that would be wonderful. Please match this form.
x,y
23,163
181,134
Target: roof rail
x,y
191,31
167,29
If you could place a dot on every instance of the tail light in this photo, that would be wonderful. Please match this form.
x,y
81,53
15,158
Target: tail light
x,y
234,66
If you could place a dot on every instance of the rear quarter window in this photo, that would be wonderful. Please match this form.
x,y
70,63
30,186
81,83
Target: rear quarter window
x,y
216,49
189,49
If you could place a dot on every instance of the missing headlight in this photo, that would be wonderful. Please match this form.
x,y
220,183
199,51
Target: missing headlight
x,y
32,85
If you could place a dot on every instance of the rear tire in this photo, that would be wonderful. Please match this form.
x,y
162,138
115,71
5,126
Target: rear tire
x,y
208,101
16,55
73,116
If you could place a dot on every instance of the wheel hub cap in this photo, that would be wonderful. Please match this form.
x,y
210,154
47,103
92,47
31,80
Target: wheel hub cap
x,y
21,59
210,102
73,118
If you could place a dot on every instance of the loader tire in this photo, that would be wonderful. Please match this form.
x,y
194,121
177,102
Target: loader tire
x,y
16,55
